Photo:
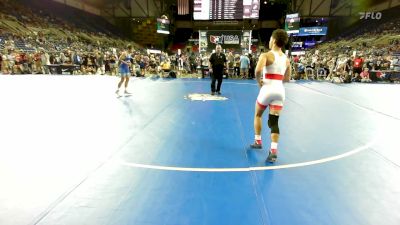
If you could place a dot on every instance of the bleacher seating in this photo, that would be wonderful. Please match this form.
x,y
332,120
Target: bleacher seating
x,y
78,18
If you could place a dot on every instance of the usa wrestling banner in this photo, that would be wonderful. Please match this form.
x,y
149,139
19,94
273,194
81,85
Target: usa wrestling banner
x,y
227,39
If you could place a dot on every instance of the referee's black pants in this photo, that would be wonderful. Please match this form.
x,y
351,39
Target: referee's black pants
x,y
216,75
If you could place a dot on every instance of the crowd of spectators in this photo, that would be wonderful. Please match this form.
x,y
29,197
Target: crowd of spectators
x,y
370,55
31,41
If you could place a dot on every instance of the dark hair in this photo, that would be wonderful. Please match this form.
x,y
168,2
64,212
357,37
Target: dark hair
x,y
281,37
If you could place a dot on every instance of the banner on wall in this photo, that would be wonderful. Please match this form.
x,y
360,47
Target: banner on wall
x,y
203,43
292,23
297,44
309,44
237,41
309,31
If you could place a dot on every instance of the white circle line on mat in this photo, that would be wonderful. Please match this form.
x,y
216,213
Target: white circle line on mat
x,y
247,169
256,168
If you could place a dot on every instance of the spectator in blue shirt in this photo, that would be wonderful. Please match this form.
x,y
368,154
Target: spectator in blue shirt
x,y
244,66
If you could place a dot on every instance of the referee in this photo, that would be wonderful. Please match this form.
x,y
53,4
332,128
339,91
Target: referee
x,y
217,65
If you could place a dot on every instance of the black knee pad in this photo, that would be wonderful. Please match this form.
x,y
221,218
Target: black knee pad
x,y
273,123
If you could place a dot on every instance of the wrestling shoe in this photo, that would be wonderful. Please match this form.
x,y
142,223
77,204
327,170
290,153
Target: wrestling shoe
x,y
272,155
256,145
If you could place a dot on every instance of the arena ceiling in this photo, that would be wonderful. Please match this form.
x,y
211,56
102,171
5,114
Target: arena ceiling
x,y
100,3
309,7
333,8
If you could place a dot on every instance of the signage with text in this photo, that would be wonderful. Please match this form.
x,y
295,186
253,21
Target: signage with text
x,y
370,15
308,31
162,26
298,44
292,23
309,44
